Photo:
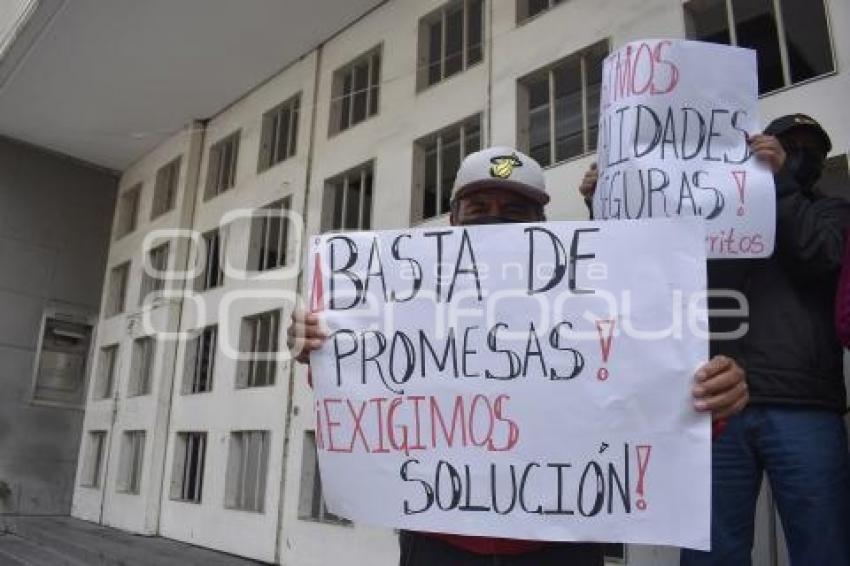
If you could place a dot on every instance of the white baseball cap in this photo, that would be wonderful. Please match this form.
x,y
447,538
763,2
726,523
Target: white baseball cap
x,y
501,166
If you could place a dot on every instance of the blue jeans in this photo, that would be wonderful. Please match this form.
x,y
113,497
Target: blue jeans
x,y
804,453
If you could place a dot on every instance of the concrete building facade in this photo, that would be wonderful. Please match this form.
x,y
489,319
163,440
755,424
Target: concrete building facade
x,y
364,132
54,231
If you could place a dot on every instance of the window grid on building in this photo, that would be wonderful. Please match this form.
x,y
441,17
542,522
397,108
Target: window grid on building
x,y
246,470
450,41
117,291
791,37
560,107
438,158
269,236
529,8
91,473
141,366
348,200
221,172
128,211
187,479
153,280
106,367
259,345
165,188
355,91
130,465
200,361
311,503
211,254
279,133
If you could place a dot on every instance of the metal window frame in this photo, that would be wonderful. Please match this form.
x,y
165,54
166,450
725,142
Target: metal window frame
x,y
441,15
105,383
781,37
93,465
132,457
264,354
249,444
199,376
195,447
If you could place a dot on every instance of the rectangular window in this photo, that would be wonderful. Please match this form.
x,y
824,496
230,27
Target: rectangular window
x,y
93,463
311,503
200,361
269,236
559,107
128,211
117,291
791,37
348,200
529,8
246,470
165,188
130,465
141,366
279,133
450,41
355,91
187,477
106,367
258,343
221,172
438,157
212,252
153,280
60,374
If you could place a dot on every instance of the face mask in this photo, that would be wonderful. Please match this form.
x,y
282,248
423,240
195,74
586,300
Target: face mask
x,y
491,219
805,165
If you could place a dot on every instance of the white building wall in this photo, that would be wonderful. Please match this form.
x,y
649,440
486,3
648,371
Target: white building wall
x,y
285,409
137,513
226,409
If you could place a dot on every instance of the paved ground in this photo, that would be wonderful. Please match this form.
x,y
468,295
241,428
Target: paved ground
x,y
63,541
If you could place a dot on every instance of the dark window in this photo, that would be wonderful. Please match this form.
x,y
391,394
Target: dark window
x,y
259,344
187,479
450,41
348,200
355,91
791,37
128,211
165,188
153,278
117,292
529,8
311,504
212,274
221,173
439,156
561,106
280,133
269,236
200,361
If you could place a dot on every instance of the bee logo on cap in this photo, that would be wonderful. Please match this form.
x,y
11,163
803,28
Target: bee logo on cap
x,y
503,165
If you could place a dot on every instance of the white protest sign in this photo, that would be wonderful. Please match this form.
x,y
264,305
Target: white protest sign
x,y
528,381
674,120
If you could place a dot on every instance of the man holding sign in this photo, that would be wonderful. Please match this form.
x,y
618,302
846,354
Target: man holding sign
x,y
495,186
793,429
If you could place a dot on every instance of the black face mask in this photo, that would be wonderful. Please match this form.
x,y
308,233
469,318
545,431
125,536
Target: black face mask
x,y
805,165
491,219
